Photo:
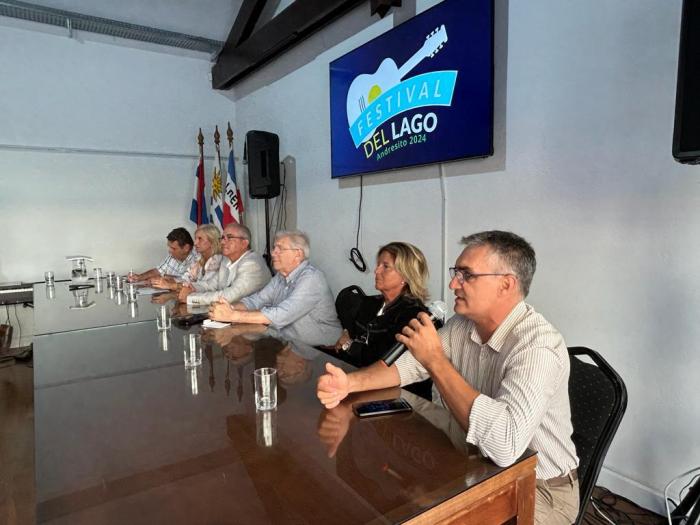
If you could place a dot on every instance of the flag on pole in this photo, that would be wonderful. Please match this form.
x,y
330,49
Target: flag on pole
x,y
233,204
217,194
198,211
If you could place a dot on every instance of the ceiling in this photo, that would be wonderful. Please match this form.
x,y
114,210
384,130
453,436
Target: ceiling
x,y
207,19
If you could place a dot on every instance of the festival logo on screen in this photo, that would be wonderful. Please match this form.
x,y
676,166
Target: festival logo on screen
x,y
384,97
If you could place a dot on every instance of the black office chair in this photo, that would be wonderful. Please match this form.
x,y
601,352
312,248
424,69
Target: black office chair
x,y
598,398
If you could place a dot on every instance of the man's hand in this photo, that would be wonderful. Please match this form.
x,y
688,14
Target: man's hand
x,y
163,282
421,338
333,425
221,310
332,387
186,290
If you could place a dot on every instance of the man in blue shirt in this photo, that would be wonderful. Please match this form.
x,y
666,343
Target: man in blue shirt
x,y
297,298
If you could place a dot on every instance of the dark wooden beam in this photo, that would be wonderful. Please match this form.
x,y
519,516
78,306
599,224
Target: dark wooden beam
x,y
248,16
381,7
300,20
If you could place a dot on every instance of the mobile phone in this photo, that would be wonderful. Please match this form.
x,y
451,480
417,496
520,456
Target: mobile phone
x,y
381,408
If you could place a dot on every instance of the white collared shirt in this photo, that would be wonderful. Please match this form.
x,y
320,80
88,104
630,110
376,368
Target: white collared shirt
x,y
522,374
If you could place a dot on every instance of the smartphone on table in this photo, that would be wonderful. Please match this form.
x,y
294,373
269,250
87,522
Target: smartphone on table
x,y
381,407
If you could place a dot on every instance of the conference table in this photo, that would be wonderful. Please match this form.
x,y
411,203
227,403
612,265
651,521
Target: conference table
x,y
126,434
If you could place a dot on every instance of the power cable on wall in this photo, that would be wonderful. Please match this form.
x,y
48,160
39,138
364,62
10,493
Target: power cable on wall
x,y
355,254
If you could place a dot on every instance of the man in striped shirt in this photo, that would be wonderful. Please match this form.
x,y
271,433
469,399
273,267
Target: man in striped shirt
x,y
181,255
497,365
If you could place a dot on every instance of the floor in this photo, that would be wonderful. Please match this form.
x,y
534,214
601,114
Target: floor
x,y
17,460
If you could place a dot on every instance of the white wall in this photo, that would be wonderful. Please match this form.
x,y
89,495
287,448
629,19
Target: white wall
x,y
583,169
84,94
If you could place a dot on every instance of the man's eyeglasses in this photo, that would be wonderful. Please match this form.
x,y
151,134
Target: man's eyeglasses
x,y
277,248
231,237
465,276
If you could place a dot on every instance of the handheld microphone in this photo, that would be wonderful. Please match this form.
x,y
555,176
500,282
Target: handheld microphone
x,y
438,311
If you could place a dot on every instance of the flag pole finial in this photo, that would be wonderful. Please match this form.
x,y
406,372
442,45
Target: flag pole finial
x,y
217,135
229,135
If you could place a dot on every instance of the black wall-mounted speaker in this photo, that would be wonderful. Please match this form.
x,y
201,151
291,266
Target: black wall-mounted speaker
x,y
263,154
686,129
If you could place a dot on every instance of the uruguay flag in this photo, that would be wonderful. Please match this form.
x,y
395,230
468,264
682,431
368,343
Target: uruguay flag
x,y
217,195
233,204
198,211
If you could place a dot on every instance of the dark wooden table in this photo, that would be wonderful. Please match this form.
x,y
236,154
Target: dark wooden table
x,y
125,434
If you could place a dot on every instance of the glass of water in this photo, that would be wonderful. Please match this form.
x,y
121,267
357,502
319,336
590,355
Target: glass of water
x,y
163,319
265,388
49,278
192,350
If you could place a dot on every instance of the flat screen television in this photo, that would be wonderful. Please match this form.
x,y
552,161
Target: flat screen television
x,y
420,93
686,129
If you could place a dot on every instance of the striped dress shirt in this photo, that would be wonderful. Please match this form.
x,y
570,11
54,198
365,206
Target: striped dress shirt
x,y
522,375
171,266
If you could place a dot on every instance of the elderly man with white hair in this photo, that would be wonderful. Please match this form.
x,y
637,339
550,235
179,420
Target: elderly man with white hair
x,y
297,298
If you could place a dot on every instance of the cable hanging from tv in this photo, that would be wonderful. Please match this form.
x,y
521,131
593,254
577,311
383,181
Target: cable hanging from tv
x,y
355,255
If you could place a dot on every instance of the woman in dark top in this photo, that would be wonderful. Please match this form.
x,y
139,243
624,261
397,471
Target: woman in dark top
x,y
371,322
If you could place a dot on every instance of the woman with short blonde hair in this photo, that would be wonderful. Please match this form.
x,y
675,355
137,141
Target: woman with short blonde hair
x,y
371,322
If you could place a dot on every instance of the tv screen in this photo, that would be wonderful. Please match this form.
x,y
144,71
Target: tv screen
x,y
418,94
686,130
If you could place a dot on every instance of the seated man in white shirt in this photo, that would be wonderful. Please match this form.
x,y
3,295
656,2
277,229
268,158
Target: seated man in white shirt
x,y
243,273
297,298
500,367
181,256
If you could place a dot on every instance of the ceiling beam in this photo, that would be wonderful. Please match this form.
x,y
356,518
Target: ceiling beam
x,y
241,56
248,16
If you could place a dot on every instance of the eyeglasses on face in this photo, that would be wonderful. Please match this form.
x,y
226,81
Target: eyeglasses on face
x,y
465,276
229,237
278,248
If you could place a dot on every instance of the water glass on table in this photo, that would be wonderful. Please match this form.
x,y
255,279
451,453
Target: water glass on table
x,y
265,388
49,278
131,292
192,350
163,319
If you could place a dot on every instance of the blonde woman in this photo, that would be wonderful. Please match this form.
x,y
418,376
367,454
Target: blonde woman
x,y
369,328
207,242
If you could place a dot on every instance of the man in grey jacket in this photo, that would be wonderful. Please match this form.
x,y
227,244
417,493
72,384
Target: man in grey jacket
x,y
244,273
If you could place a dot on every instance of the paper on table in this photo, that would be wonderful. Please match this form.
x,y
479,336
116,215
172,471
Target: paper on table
x,y
149,291
208,323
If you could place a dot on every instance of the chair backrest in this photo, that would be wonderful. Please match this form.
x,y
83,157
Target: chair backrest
x,y
598,398
347,304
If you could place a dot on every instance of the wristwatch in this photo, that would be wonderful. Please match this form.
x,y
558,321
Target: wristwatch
x,y
346,345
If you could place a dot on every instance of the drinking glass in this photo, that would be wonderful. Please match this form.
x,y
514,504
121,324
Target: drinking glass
x,y
131,292
98,273
265,388
163,320
192,350
49,278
